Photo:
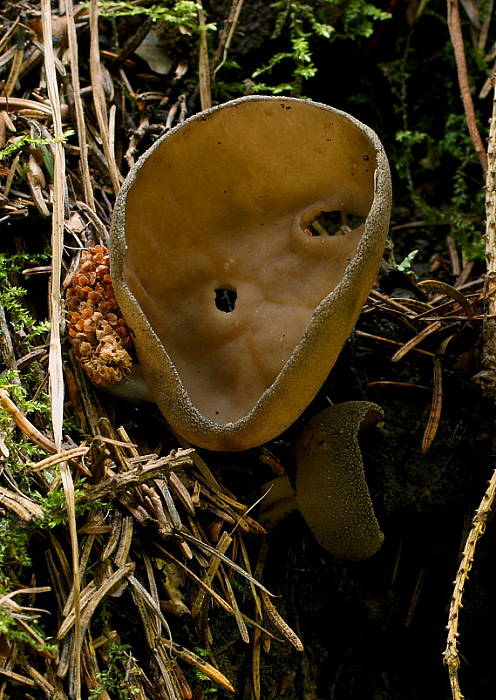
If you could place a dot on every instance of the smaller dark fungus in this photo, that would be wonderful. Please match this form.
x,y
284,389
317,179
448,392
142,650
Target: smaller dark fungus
x,y
331,490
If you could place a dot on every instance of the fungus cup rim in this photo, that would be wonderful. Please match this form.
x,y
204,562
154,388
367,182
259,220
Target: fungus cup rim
x,y
236,435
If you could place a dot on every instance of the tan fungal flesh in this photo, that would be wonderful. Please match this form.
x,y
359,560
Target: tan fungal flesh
x,y
222,204
235,196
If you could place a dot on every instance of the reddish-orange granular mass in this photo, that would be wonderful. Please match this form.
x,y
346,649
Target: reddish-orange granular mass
x,y
97,331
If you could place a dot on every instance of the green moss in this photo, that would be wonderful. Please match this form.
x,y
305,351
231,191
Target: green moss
x,y
113,679
183,13
301,24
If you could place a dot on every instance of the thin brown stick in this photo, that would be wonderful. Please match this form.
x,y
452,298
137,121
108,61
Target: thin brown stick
x,y
391,302
203,65
23,507
116,484
17,678
279,623
99,97
93,599
481,44
55,356
454,257
413,342
13,104
6,37
6,346
449,291
226,35
243,630
61,457
40,681
455,29
55,360
389,341
34,434
134,41
437,399
78,105
211,592
16,63
189,657
222,546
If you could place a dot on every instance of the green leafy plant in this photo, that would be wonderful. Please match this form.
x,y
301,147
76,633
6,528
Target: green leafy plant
x,y
14,540
440,155
406,264
15,534
359,18
27,140
26,327
21,451
11,630
208,688
420,152
54,506
182,12
113,679
302,23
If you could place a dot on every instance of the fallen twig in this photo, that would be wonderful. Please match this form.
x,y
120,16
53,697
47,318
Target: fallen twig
x,y
455,30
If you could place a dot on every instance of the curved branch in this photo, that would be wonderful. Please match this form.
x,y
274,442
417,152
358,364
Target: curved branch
x,y
455,30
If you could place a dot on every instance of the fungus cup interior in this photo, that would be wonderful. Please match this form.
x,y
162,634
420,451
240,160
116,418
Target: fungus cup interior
x,y
222,253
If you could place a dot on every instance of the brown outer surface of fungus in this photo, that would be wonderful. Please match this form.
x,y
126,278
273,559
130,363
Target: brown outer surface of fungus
x,y
331,489
222,202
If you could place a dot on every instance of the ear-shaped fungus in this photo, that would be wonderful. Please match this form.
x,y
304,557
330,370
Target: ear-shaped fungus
x,y
238,311
331,491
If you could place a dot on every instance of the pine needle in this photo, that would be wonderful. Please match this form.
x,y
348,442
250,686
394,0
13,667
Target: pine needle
x,y
78,105
55,354
99,98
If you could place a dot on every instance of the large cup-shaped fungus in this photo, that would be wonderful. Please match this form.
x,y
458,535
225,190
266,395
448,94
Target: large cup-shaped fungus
x,y
222,205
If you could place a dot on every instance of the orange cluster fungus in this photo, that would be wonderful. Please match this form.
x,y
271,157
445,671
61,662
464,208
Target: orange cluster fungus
x,y
98,334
